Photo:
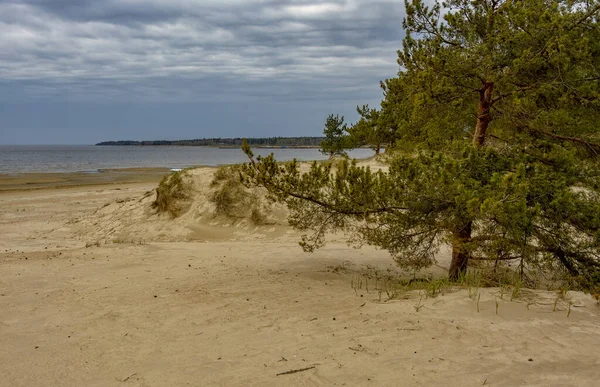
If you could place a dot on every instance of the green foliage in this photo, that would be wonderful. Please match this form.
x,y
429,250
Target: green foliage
x,y
495,114
375,128
516,212
171,194
336,137
536,59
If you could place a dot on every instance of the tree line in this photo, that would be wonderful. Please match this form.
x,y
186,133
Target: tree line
x,y
228,142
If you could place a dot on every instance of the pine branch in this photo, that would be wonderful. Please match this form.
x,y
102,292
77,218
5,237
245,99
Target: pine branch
x,y
593,147
589,14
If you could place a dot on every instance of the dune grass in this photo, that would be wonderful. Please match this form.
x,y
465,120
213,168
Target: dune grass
x,y
171,194
232,199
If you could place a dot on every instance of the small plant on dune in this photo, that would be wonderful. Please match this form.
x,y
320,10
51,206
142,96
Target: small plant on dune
x,y
436,287
596,295
419,304
562,294
234,200
503,290
229,199
393,286
356,284
257,217
516,292
171,192
224,173
393,289
472,280
92,244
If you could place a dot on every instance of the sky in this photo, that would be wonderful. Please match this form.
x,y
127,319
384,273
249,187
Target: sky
x,y
80,71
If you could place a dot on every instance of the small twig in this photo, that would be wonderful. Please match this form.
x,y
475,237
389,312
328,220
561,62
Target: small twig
x,y
127,378
294,371
359,349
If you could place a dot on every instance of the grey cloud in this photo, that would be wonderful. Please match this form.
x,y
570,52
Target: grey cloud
x,y
199,50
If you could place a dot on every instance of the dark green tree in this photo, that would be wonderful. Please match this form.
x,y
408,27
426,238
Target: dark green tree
x,y
336,136
374,128
497,109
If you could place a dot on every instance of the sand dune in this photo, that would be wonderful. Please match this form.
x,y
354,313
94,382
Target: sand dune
x,y
202,301
134,220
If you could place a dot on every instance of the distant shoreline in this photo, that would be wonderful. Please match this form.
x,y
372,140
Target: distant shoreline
x,y
226,147
228,143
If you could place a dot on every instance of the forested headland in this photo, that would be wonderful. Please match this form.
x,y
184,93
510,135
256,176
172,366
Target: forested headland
x,y
276,142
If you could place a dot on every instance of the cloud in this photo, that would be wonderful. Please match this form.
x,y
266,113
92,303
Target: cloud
x,y
198,50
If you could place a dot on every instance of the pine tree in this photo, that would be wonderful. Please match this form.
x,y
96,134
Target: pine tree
x,y
374,128
336,136
497,111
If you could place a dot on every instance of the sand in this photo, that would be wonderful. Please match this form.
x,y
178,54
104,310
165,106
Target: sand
x,y
32,181
196,301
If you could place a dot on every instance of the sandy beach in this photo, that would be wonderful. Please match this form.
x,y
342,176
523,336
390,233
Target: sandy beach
x,y
98,290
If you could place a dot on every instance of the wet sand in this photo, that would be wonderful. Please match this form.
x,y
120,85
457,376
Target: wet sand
x,y
32,181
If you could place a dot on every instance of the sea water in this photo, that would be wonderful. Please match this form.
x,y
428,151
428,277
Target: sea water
x,y
90,158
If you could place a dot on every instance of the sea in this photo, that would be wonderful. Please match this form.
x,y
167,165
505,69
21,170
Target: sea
x,y
15,159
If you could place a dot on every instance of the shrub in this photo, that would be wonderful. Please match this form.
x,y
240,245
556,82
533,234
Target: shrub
x,y
227,172
257,217
171,193
232,199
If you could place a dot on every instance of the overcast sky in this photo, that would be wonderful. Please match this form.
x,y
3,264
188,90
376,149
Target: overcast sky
x,y
82,71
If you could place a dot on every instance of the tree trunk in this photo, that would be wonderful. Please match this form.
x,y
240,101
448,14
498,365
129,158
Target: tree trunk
x,y
483,118
460,257
377,149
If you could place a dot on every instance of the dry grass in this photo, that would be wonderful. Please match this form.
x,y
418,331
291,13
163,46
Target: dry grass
x,y
232,199
171,194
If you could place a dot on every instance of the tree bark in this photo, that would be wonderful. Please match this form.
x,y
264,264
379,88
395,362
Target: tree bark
x,y
483,117
460,257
